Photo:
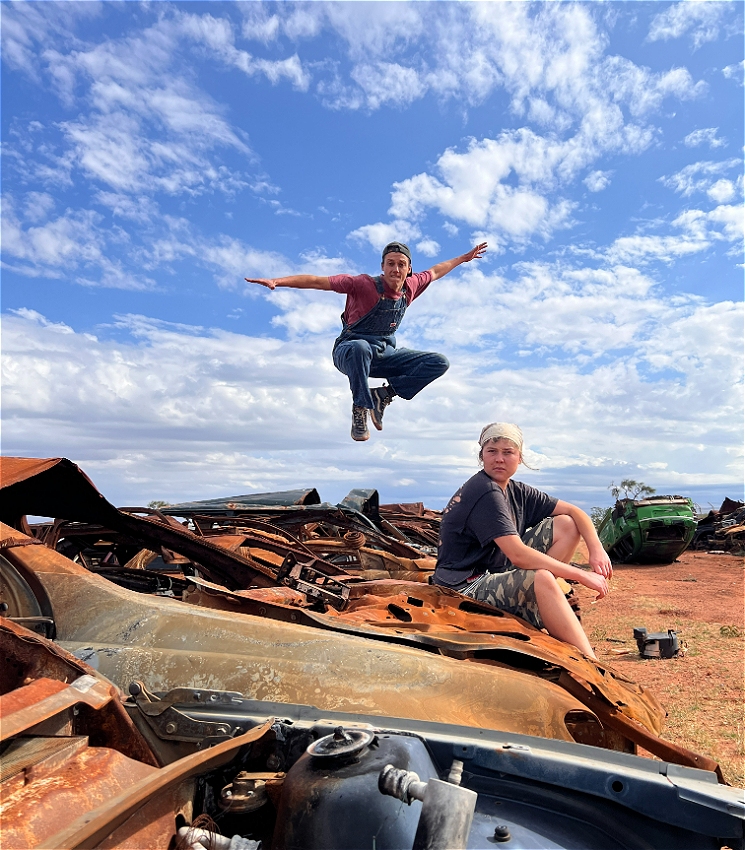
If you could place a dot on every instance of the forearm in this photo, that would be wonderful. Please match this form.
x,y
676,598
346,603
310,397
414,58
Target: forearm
x,y
525,558
303,281
441,269
584,525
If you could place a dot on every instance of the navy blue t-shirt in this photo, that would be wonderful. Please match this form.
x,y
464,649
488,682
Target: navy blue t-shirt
x,y
478,513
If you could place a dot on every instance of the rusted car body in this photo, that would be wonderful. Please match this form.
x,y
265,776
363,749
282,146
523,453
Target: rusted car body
x,y
722,529
305,632
83,767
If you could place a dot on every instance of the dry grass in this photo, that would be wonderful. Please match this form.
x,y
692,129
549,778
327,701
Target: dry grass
x,y
703,690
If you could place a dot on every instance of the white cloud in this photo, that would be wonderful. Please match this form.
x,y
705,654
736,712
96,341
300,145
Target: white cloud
x,y
71,246
699,230
37,206
596,181
258,25
387,82
135,208
379,235
550,310
472,187
199,410
644,91
699,176
721,191
26,28
142,124
701,19
707,136
374,30
735,72
62,243
428,247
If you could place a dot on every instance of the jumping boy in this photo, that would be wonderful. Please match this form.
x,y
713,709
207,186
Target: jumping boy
x,y
366,346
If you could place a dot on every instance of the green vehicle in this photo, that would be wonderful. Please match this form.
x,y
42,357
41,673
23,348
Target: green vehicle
x,y
654,530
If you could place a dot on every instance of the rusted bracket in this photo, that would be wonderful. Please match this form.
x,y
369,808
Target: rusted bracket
x,y
634,731
313,582
170,724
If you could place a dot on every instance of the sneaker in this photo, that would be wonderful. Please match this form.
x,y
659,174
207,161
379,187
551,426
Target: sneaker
x,y
359,424
382,397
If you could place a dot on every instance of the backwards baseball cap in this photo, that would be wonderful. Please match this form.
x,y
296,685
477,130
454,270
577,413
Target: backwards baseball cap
x,y
397,248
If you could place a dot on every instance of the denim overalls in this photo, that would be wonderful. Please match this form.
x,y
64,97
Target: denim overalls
x,y
367,349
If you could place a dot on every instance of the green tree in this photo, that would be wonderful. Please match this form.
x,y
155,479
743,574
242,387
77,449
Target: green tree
x,y
157,503
630,489
597,515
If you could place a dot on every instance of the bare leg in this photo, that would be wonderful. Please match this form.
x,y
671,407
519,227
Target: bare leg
x,y
557,616
566,539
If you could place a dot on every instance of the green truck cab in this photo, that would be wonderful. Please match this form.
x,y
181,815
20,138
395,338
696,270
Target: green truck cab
x,y
654,530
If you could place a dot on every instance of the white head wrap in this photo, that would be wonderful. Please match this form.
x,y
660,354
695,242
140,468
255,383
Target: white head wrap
x,y
506,431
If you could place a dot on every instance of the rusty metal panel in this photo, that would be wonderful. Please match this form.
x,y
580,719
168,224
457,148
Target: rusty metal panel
x,y
40,809
29,658
15,469
168,644
452,660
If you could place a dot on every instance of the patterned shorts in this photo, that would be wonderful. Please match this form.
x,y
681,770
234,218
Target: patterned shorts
x,y
513,591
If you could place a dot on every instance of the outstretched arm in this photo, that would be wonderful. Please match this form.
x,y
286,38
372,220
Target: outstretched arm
x,y
296,281
441,269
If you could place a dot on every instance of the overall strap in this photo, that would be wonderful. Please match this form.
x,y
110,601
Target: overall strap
x,y
400,305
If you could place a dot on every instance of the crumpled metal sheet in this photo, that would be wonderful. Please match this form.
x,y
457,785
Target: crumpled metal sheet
x,y
272,655
451,658
84,778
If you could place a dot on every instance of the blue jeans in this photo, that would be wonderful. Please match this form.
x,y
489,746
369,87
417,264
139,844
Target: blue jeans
x,y
407,371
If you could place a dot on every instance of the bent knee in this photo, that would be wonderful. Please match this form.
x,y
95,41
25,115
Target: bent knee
x,y
440,363
564,524
353,350
544,578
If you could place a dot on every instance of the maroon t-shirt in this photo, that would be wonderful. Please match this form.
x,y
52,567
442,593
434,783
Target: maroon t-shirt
x,y
362,295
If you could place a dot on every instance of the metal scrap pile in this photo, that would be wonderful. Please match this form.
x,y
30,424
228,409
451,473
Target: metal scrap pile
x,y
723,529
220,617
359,535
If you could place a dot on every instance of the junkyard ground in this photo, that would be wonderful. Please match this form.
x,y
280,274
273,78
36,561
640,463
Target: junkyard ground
x,y
701,596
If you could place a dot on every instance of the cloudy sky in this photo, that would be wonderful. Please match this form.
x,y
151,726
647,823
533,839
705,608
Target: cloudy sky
x,y
155,154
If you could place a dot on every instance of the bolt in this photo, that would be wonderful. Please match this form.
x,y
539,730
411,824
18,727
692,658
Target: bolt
x,y
171,728
502,833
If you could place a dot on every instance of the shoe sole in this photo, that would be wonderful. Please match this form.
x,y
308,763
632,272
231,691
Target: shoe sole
x,y
361,439
378,423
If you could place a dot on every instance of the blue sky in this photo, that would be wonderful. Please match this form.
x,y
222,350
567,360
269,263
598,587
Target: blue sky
x,y
155,154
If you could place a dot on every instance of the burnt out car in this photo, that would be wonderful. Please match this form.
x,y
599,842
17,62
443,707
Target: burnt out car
x,y
285,626
83,766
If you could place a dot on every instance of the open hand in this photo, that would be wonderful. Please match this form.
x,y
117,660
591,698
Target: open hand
x,y
269,283
475,253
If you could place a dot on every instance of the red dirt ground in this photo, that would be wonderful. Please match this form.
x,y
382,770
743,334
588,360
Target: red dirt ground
x,y
701,596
